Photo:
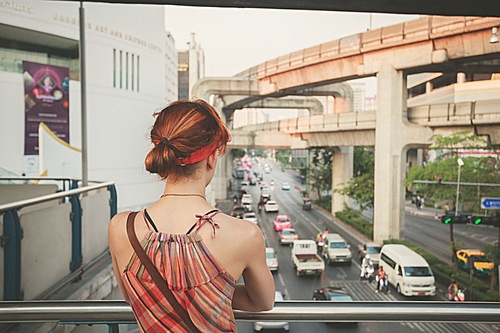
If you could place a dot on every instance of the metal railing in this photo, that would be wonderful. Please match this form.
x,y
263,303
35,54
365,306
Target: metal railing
x,y
113,313
13,232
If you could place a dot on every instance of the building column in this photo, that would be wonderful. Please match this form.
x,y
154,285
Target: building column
x,y
394,135
342,172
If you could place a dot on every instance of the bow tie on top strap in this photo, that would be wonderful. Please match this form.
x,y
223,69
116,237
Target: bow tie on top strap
x,y
207,218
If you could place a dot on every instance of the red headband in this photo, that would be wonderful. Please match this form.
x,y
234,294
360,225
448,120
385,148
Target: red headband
x,y
200,154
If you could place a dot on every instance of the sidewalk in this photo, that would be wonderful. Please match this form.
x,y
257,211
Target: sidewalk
x,y
425,211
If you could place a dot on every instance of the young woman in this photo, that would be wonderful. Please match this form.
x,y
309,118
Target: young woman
x,y
199,251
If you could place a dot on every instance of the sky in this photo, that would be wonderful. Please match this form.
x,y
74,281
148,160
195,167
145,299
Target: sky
x,y
235,39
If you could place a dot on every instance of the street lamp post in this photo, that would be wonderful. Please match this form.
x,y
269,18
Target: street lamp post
x,y
460,164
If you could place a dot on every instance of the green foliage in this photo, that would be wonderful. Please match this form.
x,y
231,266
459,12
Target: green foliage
x,y
325,202
361,189
352,217
283,156
444,272
474,170
238,153
364,160
320,170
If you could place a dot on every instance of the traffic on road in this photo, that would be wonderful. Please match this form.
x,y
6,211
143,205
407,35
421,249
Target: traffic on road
x,y
303,270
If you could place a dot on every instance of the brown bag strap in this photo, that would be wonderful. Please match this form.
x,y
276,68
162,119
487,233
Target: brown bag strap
x,y
155,275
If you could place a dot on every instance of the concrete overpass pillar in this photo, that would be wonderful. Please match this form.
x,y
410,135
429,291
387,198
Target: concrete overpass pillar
x,y
394,135
218,187
342,172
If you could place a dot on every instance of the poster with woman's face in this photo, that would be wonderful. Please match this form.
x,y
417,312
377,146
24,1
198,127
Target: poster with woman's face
x,y
46,99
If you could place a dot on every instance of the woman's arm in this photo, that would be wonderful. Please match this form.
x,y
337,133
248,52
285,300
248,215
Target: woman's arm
x,y
116,237
257,293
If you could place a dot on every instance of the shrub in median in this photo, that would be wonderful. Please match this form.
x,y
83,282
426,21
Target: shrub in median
x,y
352,218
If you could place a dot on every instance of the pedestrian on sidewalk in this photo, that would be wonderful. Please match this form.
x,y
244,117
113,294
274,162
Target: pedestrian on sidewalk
x,y
417,202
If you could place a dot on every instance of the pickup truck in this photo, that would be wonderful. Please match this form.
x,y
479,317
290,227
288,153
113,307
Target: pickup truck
x,y
373,249
305,258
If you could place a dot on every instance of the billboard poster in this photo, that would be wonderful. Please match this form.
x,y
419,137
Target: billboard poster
x,y
46,99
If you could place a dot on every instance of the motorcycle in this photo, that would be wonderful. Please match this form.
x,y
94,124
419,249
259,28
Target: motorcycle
x,y
260,207
320,241
383,286
459,296
369,271
272,182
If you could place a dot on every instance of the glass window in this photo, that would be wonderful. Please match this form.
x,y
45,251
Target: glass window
x,y
417,271
269,255
126,70
337,245
121,71
137,73
114,68
373,250
132,71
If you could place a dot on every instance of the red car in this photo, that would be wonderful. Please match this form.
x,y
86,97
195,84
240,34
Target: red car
x,y
281,222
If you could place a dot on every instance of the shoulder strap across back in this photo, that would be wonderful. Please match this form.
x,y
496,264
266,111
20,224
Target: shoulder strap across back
x,y
155,275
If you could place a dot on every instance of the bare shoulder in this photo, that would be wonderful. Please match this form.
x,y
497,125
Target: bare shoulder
x,y
242,229
117,228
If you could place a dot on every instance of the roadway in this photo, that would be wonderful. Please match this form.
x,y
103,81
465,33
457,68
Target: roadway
x,y
308,224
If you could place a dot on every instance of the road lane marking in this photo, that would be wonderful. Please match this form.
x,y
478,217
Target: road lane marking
x,y
280,277
342,275
314,226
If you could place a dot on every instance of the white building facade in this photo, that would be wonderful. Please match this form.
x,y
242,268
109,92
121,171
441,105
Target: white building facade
x,y
126,71
171,64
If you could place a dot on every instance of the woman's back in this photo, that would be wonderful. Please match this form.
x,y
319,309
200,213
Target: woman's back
x,y
201,267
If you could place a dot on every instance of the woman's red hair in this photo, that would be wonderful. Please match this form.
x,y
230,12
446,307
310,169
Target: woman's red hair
x,y
188,127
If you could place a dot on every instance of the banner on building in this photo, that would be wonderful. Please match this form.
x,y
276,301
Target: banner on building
x,y
46,99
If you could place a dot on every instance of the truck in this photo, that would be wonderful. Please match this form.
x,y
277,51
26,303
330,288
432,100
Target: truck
x,y
305,258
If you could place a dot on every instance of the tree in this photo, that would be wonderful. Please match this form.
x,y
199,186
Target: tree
x,y
493,253
361,189
445,168
320,169
363,160
238,153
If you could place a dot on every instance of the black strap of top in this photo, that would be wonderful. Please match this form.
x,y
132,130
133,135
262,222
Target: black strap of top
x,y
150,220
194,225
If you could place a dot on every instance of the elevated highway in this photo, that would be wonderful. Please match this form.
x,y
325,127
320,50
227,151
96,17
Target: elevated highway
x,y
430,44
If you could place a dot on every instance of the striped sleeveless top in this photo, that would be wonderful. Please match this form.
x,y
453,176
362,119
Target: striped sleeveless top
x,y
198,281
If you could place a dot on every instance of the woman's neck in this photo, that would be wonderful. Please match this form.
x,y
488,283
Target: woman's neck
x,y
185,186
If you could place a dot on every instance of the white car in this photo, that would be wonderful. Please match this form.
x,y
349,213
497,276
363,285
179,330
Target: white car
x,y
288,235
283,325
271,259
263,184
251,217
271,206
285,186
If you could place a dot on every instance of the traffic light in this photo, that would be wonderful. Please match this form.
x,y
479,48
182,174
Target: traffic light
x,y
450,218
486,220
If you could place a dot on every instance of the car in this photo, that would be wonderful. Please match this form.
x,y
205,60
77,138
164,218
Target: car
x,y
238,212
252,182
246,201
265,197
285,186
271,206
336,294
272,259
263,184
244,186
278,325
333,294
250,216
288,235
281,222
482,266
372,249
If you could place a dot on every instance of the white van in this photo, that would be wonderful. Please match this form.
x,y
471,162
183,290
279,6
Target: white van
x,y
407,271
